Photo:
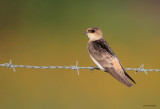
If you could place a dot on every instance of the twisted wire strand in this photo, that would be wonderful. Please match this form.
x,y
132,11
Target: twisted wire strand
x,y
10,65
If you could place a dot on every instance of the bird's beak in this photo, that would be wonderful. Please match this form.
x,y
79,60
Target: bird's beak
x,y
85,32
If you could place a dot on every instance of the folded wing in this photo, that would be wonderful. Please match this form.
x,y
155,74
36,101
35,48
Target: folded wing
x,y
102,53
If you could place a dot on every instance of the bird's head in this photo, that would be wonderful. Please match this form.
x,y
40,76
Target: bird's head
x,y
94,33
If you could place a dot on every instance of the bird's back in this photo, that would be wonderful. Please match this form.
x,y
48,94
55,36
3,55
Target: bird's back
x,y
102,54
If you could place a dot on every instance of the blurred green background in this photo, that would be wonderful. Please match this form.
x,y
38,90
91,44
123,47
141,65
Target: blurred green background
x,y
50,33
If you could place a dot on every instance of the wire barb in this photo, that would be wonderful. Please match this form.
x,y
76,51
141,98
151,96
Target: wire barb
x,y
77,67
10,65
141,69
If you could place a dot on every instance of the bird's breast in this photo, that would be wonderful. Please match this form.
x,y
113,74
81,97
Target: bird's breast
x,y
97,63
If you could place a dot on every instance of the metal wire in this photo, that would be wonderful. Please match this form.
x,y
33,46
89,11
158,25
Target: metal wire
x,y
10,65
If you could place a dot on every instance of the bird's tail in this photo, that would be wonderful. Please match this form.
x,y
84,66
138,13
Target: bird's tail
x,y
129,76
120,76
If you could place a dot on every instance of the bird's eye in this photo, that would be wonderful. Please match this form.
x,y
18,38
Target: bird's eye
x,y
91,31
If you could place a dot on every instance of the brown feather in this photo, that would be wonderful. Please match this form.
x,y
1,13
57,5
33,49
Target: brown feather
x,y
103,54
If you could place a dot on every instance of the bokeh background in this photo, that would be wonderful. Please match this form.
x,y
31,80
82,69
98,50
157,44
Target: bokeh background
x,y
50,33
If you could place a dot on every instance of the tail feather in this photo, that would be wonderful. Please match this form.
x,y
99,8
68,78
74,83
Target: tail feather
x,y
119,76
129,76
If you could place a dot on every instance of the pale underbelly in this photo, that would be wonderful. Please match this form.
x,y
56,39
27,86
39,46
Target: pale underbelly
x,y
97,63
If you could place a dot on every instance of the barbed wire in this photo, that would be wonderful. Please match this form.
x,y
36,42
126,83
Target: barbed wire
x,y
10,65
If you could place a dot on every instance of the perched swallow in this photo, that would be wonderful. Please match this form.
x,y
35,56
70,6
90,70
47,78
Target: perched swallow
x,y
104,57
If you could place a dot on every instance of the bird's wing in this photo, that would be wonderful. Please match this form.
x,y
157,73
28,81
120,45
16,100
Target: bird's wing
x,y
103,54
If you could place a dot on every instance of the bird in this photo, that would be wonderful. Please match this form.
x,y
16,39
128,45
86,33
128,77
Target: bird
x,y
104,57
